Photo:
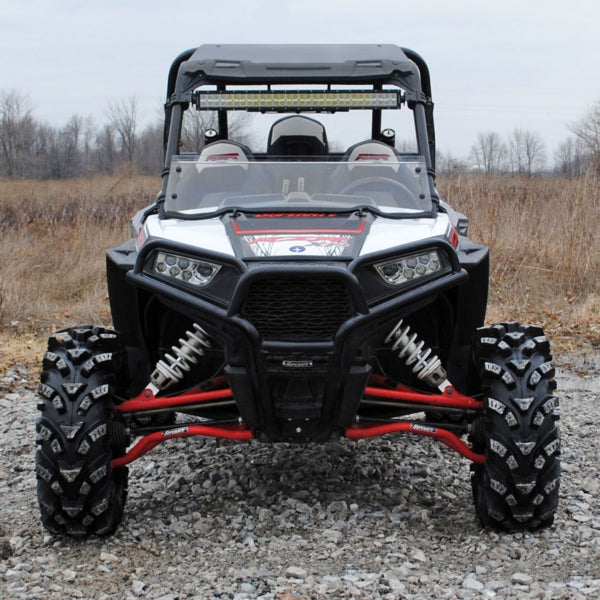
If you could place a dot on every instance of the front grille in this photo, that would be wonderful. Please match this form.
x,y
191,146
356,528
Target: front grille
x,y
297,309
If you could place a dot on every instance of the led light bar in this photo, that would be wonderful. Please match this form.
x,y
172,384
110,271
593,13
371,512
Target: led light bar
x,y
295,100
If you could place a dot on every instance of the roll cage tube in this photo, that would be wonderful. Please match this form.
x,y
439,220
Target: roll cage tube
x,y
428,101
181,83
171,84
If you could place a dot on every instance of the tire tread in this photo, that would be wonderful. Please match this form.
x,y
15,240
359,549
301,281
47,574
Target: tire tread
x,y
517,488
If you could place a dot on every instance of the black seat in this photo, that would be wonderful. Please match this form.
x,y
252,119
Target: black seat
x,y
297,138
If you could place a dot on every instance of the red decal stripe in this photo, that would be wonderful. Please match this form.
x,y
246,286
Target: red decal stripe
x,y
241,231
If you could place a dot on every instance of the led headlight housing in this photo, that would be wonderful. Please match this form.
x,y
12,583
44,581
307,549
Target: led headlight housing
x,y
406,269
186,270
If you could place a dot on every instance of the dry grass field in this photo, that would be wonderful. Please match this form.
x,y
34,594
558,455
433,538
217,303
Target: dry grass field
x,y
53,235
545,249
543,233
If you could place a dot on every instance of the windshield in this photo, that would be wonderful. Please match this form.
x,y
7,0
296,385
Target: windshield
x,y
204,184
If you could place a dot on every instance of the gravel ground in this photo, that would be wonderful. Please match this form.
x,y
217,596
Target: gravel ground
x,y
383,518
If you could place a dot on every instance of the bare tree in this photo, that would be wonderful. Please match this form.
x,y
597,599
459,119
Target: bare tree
x,y
123,119
17,134
447,164
151,149
239,126
587,129
88,135
488,153
196,122
570,157
527,154
106,150
65,155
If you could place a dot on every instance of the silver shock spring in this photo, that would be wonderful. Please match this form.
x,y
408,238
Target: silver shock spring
x,y
413,352
172,369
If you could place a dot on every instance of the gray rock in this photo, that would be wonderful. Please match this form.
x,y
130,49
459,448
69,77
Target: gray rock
x,y
521,578
470,583
389,518
297,572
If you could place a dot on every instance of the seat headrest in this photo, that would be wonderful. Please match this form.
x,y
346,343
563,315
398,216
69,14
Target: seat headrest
x,y
370,150
297,136
225,150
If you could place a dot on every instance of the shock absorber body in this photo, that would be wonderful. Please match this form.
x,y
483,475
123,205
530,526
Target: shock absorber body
x,y
173,367
425,366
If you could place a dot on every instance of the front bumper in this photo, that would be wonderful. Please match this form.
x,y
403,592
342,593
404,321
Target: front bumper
x,y
297,335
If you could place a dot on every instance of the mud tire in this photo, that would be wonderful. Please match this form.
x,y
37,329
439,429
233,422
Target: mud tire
x,y
517,488
78,433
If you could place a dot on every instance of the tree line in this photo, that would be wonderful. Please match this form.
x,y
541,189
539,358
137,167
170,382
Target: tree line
x,y
524,153
31,149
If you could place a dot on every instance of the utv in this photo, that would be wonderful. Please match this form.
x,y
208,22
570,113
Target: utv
x,y
302,293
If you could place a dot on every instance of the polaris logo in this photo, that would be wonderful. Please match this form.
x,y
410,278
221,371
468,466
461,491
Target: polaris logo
x,y
297,364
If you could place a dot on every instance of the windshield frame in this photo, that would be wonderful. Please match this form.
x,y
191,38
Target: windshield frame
x,y
226,66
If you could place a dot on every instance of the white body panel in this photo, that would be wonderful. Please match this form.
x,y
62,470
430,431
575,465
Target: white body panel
x,y
389,233
384,234
209,234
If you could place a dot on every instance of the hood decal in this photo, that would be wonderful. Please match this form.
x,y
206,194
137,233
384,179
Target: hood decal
x,y
298,243
297,234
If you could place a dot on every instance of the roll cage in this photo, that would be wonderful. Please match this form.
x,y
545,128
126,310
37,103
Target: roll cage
x,y
370,65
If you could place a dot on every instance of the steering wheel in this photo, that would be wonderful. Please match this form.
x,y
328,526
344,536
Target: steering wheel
x,y
374,184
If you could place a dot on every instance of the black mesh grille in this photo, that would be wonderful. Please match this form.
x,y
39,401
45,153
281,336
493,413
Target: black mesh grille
x,y
297,309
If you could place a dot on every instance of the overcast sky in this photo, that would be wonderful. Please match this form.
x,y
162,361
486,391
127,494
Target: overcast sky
x,y
495,66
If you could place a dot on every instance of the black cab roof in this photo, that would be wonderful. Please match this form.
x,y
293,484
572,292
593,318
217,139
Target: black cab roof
x,y
299,63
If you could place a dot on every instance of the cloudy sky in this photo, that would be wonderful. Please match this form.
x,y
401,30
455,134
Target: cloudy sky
x,y
495,66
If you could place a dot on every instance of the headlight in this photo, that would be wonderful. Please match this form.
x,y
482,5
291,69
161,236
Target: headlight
x,y
184,269
408,268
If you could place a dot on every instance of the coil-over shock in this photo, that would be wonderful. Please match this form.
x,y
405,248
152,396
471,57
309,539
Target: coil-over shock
x,y
173,367
425,366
